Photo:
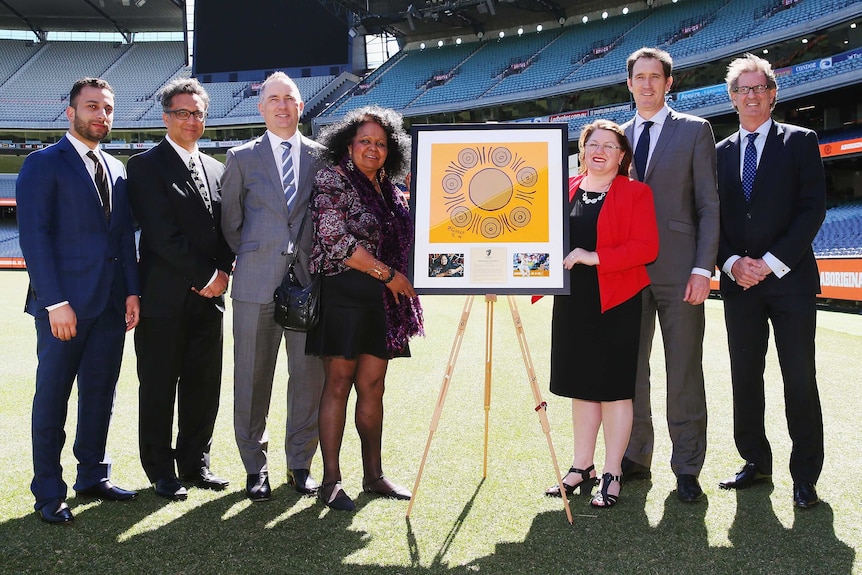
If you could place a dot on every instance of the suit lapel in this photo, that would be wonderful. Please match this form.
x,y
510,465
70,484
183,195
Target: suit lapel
x,y
770,158
181,173
76,164
665,137
263,149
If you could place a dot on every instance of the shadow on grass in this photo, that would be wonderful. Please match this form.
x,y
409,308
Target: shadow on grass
x,y
293,534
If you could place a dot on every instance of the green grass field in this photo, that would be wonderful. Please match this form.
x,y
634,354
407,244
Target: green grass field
x,y
460,522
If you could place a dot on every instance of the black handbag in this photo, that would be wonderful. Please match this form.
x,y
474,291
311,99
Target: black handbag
x,y
297,307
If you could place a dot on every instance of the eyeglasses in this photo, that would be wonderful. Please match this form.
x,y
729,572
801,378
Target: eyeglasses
x,y
594,147
759,89
184,115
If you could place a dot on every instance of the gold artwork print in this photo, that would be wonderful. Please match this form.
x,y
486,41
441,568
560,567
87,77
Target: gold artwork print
x,y
489,192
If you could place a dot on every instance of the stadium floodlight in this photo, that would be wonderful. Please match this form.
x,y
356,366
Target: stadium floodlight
x,y
585,19
520,31
605,15
538,28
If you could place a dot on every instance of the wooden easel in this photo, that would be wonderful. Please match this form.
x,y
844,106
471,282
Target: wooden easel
x,y
541,406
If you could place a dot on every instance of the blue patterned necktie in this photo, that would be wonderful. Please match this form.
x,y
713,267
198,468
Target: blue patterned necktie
x,y
642,150
749,166
287,179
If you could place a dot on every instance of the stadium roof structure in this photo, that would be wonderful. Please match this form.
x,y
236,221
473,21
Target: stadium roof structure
x,y
422,19
123,16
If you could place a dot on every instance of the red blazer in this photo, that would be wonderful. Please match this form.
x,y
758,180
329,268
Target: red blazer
x,y
626,239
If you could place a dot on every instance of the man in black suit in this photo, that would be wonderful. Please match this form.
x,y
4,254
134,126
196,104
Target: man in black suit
x,y
184,267
772,192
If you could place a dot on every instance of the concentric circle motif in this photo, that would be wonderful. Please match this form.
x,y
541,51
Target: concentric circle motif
x,y
491,228
501,157
461,216
452,183
468,157
527,176
520,216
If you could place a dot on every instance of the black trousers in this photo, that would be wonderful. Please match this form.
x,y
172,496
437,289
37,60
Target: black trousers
x,y
179,359
793,319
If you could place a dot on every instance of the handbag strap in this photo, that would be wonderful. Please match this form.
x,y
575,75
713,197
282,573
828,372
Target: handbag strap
x,y
299,238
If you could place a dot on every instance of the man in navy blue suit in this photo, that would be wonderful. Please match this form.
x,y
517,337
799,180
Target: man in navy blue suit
x,y
772,192
77,237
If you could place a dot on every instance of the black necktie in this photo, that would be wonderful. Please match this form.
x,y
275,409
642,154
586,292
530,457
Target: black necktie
x,y
642,150
102,185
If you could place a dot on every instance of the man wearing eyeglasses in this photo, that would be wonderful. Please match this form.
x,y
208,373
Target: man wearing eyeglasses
x,y
184,266
772,189
675,156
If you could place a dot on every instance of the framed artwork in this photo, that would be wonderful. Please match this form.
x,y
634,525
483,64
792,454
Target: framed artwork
x,y
490,208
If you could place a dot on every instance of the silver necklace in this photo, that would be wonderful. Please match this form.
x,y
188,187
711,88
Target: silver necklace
x,y
595,200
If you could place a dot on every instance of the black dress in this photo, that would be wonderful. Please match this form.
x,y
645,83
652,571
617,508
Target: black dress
x,y
352,318
593,354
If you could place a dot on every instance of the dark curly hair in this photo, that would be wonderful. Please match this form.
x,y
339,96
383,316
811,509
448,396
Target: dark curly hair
x,y
337,137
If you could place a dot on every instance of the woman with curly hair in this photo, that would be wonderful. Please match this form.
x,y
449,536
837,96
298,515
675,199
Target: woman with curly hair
x,y
363,234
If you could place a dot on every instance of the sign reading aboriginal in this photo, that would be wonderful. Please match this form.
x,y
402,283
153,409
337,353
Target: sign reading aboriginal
x,y
488,201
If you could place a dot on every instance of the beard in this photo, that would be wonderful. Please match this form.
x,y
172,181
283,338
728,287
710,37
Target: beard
x,y
90,132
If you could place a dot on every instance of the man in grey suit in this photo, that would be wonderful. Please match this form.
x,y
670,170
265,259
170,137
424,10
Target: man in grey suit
x,y
675,156
265,194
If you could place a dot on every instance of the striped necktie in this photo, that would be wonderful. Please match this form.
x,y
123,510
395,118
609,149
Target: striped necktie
x,y
288,179
102,185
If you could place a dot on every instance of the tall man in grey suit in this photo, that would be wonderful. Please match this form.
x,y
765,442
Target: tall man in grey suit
x,y
773,200
675,156
265,193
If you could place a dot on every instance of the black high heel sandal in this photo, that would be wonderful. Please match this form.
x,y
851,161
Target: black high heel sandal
x,y
586,482
603,499
337,498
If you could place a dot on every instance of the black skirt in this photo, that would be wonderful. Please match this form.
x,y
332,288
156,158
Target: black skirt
x,y
593,354
352,318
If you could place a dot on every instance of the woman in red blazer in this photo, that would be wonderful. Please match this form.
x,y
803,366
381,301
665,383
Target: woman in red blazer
x,y
595,329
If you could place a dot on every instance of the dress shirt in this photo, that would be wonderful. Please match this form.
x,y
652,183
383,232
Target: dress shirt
x,y
277,152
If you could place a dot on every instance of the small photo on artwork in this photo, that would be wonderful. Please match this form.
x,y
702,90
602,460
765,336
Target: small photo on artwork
x,y
527,265
445,265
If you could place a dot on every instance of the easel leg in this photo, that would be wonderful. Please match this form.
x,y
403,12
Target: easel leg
x,y
444,388
541,406
490,300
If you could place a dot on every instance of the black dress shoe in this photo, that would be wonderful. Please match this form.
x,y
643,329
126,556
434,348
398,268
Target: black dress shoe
x,y
172,489
302,481
206,479
56,515
747,476
257,486
634,471
805,494
107,491
688,488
